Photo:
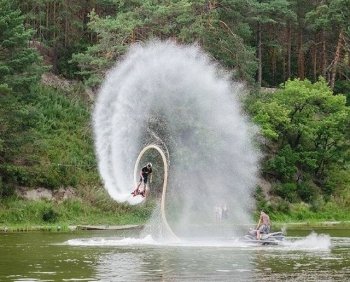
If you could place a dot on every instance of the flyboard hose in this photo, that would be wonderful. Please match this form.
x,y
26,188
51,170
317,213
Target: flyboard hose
x,y
165,183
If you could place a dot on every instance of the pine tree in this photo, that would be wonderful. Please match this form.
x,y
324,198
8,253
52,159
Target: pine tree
x,y
19,64
186,21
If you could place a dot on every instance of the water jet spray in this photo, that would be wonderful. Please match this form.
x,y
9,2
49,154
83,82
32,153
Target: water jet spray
x,y
165,95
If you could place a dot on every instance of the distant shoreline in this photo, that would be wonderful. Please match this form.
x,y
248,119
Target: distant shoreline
x,y
318,224
74,228
68,228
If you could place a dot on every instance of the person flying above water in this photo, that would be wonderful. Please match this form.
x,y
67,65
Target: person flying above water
x,y
145,172
263,226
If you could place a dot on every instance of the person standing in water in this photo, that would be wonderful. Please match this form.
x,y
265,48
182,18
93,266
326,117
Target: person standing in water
x,y
263,226
146,172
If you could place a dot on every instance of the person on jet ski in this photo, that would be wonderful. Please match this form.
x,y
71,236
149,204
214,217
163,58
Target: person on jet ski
x,y
263,226
145,172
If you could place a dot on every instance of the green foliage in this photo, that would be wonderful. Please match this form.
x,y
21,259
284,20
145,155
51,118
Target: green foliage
x,y
60,28
271,117
65,66
320,211
343,87
307,192
338,182
281,206
20,65
329,15
308,126
15,211
287,191
284,164
47,140
261,202
6,190
50,215
297,38
295,192
184,20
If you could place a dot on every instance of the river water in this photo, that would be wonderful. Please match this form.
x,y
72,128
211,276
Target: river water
x,y
306,255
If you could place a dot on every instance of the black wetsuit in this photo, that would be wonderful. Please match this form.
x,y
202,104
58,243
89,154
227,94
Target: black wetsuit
x,y
145,171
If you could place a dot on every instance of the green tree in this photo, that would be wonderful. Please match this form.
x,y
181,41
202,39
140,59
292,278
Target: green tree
x,y
185,21
61,28
19,64
227,37
270,18
331,19
306,128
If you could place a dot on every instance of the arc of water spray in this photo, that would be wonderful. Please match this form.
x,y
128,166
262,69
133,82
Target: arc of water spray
x,y
202,124
165,183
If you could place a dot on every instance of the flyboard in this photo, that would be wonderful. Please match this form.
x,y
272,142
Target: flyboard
x,y
166,226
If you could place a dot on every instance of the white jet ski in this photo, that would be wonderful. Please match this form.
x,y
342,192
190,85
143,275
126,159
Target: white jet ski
x,y
273,238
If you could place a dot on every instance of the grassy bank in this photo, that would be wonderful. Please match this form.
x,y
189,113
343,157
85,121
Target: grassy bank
x,y
46,140
23,215
19,214
302,212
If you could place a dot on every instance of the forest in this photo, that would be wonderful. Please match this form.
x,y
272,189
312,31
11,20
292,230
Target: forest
x,y
292,55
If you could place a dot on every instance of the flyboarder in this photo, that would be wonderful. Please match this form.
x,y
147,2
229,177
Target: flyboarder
x,y
145,172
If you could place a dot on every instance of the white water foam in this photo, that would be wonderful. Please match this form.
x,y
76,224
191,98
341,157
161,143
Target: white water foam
x,y
148,240
313,242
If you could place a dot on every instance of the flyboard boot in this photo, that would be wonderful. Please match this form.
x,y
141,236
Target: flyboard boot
x,y
135,192
138,192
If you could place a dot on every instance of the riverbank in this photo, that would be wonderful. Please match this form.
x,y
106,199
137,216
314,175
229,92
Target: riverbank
x,y
71,214
74,228
313,224
68,228
102,213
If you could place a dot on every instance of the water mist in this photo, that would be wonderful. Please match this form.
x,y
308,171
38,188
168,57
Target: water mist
x,y
177,97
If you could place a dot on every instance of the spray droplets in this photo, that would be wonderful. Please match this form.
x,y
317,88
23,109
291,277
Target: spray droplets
x,y
184,99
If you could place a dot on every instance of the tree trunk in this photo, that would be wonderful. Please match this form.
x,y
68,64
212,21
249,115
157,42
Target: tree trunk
x,y
284,68
40,24
289,51
274,65
324,55
314,61
259,56
54,21
66,7
54,45
336,58
301,66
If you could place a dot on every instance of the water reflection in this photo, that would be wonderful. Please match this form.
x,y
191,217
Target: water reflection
x,y
33,257
173,263
105,257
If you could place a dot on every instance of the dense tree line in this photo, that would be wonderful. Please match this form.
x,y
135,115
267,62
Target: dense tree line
x,y
303,46
265,41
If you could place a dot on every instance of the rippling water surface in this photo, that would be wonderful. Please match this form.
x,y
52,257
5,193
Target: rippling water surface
x,y
319,255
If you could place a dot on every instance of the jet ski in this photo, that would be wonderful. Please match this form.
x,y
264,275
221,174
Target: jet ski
x,y
273,238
